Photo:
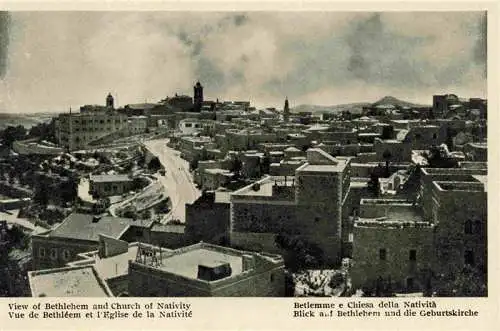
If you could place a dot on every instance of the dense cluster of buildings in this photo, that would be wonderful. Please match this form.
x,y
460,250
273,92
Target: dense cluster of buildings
x,y
395,195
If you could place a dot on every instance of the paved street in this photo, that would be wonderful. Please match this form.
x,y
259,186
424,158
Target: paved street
x,y
177,180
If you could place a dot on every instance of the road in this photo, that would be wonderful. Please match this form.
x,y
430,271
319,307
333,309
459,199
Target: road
x,y
177,180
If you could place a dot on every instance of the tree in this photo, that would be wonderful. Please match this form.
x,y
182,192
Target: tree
x,y
387,157
265,164
374,185
42,194
154,164
469,282
13,133
193,165
299,253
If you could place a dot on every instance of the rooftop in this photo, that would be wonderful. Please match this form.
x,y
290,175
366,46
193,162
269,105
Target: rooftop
x,y
461,186
186,263
67,282
110,178
88,227
264,187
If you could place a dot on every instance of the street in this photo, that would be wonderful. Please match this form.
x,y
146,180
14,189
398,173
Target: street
x,y
177,180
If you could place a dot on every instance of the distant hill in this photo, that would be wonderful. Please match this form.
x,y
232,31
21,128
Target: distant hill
x,y
26,120
352,107
388,100
355,107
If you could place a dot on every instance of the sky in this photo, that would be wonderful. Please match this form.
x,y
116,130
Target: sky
x,y
51,61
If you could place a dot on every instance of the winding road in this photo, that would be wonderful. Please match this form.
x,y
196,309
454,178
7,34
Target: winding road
x,y
177,180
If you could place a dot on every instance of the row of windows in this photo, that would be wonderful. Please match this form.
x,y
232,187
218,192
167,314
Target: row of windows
x,y
412,254
42,252
98,121
94,129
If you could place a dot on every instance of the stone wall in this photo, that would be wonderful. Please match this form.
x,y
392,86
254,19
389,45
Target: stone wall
x,y
397,242
57,252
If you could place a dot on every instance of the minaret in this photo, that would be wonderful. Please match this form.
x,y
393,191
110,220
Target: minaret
x,y
198,96
70,140
110,101
286,110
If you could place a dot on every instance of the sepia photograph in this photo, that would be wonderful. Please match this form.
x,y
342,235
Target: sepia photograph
x,y
334,154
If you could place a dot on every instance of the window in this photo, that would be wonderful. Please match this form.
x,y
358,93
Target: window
x,y
41,252
53,253
272,277
66,255
413,255
187,125
468,227
418,136
469,257
434,136
382,254
316,220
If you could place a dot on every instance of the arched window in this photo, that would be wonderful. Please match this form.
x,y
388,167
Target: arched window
x,y
468,227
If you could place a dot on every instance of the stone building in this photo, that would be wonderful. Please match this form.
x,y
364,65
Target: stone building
x,y
79,233
77,131
106,185
430,175
393,150
311,204
460,214
207,218
206,270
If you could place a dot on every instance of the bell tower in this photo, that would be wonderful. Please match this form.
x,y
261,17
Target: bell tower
x,y
198,96
110,101
286,111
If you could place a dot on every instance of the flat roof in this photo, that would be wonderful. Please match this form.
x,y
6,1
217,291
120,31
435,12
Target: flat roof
x,y
110,178
264,187
67,282
82,227
186,263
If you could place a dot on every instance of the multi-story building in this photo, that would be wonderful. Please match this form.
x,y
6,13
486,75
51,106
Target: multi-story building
x,y
460,214
392,246
311,204
76,130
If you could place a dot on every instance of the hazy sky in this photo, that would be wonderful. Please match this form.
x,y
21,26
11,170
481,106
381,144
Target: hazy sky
x,y
50,61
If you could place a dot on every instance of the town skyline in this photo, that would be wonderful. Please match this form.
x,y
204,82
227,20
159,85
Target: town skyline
x,y
333,58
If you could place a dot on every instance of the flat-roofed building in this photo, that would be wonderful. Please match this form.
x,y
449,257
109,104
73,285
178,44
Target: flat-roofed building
x,y
460,213
392,246
77,130
311,204
203,270
106,185
429,175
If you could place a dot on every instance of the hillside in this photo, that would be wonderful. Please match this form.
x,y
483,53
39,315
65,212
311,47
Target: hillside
x,y
355,107
388,100
26,120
